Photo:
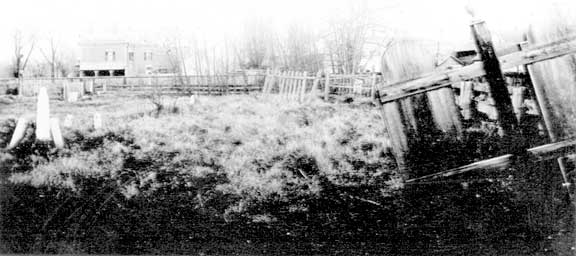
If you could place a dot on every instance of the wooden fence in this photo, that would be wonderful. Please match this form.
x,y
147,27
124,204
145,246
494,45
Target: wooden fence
x,y
351,85
291,85
208,85
300,86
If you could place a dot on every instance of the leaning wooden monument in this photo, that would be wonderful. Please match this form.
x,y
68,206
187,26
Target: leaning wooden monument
x,y
420,107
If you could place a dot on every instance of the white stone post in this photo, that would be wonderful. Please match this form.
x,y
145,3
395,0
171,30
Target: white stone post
x,y
97,121
18,132
68,120
56,133
43,116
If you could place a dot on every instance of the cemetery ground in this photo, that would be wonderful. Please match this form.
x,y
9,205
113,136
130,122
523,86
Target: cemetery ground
x,y
252,175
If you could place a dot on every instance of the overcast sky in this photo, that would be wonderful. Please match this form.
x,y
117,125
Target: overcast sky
x,y
72,20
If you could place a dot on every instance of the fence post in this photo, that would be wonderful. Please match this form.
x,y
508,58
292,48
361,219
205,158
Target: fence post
x,y
20,82
288,86
104,85
246,82
288,83
266,82
293,83
280,82
272,81
315,85
296,86
227,86
303,86
494,77
91,86
65,90
327,87
282,85
373,86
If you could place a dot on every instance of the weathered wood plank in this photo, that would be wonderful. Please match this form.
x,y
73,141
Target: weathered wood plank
x,y
518,101
536,154
303,86
409,120
494,77
466,95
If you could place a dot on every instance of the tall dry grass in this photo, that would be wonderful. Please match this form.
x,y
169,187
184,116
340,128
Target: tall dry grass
x,y
235,174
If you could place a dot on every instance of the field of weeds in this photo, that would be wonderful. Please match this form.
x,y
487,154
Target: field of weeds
x,y
237,175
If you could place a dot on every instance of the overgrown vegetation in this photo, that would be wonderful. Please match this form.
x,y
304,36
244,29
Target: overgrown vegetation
x,y
241,174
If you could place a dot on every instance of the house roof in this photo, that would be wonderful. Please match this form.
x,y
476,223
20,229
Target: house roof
x,y
458,58
86,43
450,61
101,42
466,57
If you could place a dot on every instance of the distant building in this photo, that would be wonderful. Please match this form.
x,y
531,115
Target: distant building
x,y
121,58
458,59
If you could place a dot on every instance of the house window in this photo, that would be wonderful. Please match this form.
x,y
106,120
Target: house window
x,y
147,55
110,56
131,56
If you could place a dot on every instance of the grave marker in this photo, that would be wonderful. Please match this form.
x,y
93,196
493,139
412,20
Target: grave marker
x,y
19,132
56,133
43,116
97,121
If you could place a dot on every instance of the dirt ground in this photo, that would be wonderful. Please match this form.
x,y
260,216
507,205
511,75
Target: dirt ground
x,y
242,175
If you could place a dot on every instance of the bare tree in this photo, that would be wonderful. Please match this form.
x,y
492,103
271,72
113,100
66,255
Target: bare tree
x,y
298,50
60,63
351,41
175,55
21,55
257,45
51,57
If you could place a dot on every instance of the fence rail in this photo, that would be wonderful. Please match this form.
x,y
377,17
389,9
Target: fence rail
x,y
210,85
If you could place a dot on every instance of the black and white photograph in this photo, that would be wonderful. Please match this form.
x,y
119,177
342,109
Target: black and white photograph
x,y
288,127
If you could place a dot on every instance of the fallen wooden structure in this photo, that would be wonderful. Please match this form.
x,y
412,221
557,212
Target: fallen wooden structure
x,y
403,113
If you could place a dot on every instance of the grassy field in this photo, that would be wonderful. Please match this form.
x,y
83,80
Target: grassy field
x,y
239,175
